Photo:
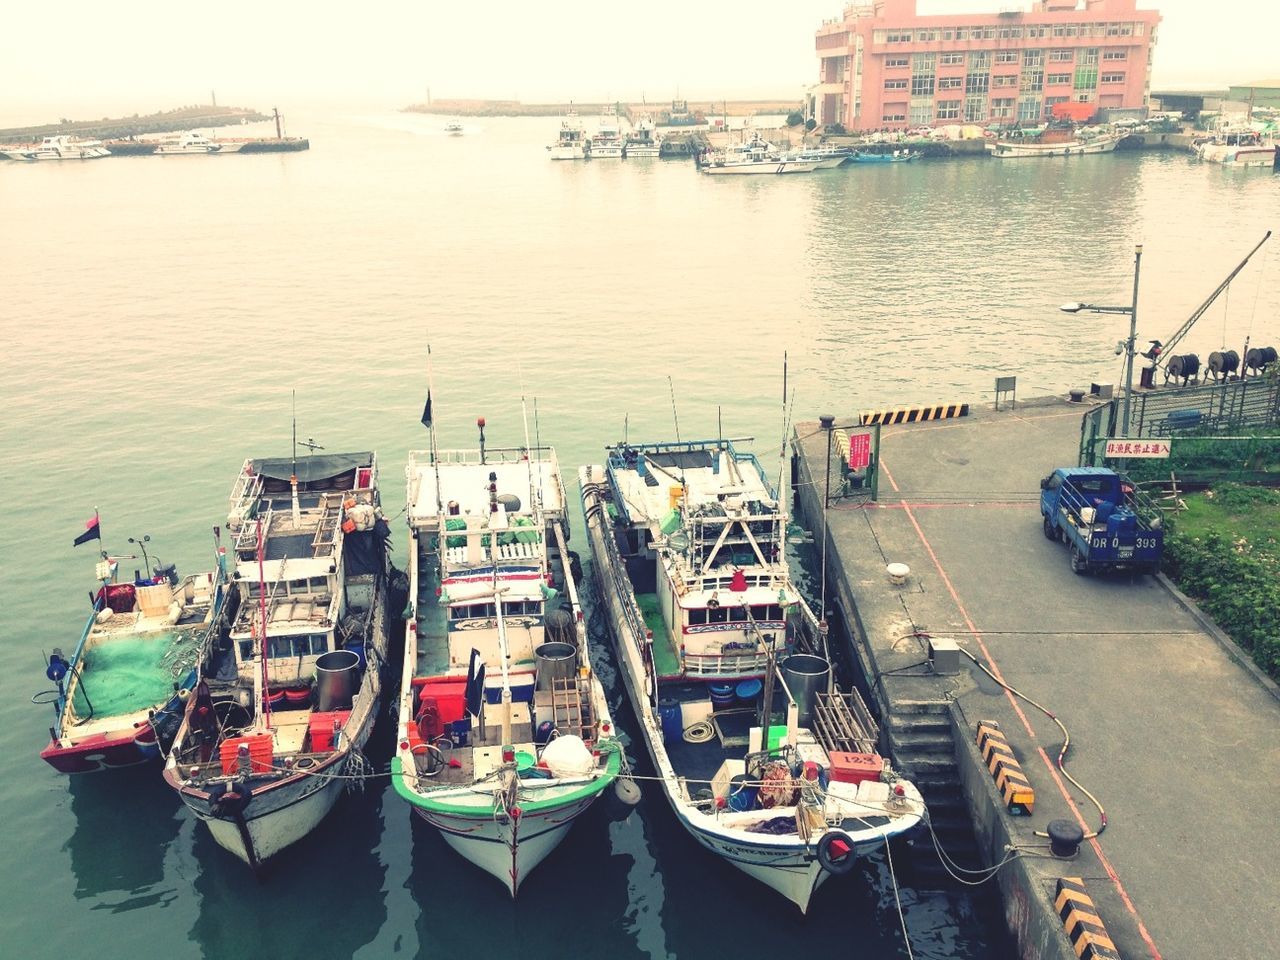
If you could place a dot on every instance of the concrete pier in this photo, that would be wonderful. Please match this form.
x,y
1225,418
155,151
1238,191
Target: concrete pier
x,y
1171,728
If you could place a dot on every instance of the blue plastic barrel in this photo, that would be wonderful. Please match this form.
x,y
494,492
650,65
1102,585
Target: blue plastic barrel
x,y
741,796
722,694
356,647
669,716
748,690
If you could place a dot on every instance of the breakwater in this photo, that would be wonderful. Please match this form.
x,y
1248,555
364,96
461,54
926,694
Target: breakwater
x,y
185,118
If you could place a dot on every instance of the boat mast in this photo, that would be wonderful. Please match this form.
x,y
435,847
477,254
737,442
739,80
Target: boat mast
x,y
262,679
293,474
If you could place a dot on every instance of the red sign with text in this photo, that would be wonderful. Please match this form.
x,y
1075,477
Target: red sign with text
x,y
859,451
1138,448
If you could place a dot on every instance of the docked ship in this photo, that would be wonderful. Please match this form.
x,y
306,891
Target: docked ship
x,y
1239,148
754,156
273,732
607,142
120,696
505,737
1054,142
679,116
61,147
571,141
642,141
188,142
454,128
764,761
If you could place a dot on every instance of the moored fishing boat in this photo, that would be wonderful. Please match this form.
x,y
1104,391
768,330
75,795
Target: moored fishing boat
x,y
642,141
1240,146
454,128
120,696
606,143
1054,142
754,156
893,156
505,736
187,142
571,141
274,730
763,760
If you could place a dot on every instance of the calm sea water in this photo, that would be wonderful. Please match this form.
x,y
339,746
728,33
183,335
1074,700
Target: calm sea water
x,y
159,314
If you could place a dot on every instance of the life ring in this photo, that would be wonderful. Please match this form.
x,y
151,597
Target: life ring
x,y
839,861
229,799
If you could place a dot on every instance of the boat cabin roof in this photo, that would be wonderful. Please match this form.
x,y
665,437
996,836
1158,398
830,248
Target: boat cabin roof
x,y
707,472
464,481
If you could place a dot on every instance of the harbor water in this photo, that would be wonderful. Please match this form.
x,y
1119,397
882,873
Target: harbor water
x,y
160,313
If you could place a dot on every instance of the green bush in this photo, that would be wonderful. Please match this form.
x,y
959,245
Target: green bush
x,y
1236,585
795,118
810,124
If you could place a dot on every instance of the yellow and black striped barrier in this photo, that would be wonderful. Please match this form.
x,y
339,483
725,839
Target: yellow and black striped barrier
x,y
941,411
1080,919
1012,783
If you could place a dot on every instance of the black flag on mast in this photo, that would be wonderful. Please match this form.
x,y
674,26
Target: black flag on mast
x,y
426,412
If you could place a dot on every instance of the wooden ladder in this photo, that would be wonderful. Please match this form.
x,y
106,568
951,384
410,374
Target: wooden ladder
x,y
571,708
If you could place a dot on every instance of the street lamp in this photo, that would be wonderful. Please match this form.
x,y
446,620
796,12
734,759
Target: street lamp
x,y
1128,345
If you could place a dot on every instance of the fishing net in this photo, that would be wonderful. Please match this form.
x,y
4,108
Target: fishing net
x,y
133,673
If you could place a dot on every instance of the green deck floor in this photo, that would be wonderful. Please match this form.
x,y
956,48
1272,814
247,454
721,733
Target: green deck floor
x,y
433,637
665,656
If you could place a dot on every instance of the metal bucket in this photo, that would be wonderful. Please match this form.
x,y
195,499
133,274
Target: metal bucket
x,y
337,679
556,661
806,677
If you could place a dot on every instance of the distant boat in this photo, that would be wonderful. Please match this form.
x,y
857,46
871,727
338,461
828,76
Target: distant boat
x,y
1239,148
897,156
754,156
187,142
570,144
827,158
60,147
607,142
453,128
642,141
679,116
1054,143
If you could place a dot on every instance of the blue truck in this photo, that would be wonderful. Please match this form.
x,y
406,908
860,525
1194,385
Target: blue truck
x,y
1104,520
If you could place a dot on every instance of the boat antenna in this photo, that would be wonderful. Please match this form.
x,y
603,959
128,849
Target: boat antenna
x,y
675,416
537,429
429,419
293,473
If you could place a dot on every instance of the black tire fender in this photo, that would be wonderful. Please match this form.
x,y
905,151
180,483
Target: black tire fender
x,y
835,863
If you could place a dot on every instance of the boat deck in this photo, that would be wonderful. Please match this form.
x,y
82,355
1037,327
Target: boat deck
x,y
665,655
433,637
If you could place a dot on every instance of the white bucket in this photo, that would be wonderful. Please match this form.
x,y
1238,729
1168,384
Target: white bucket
x,y
898,573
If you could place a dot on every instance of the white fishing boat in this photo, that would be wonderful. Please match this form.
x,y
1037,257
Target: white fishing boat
x,y
643,140
61,147
571,141
1240,146
754,156
121,695
827,158
1054,143
505,737
764,761
606,143
454,128
273,733
187,142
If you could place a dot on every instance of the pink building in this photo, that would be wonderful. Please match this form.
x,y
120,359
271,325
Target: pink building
x,y
883,65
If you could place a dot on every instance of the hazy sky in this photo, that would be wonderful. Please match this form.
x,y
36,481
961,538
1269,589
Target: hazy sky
x,y
88,59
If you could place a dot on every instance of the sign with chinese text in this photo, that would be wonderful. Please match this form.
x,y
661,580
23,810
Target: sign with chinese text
x,y
1138,448
859,451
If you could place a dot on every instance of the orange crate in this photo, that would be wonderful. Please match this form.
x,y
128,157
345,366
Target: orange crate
x,y
260,753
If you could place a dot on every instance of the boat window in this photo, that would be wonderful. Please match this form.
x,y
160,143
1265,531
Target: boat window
x,y
718,615
775,612
319,584
254,588
738,614
697,615
760,611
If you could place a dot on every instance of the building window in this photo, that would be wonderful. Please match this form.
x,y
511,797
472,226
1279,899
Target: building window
x,y
1002,108
926,36
1032,82
898,37
1061,56
1006,56
951,59
1050,101
1035,33
1033,58
980,61
1113,78
1084,96
948,109
922,63
962,33
1086,78
1006,80
921,113
891,62
1115,55
894,118
975,108
948,34
977,83
950,83
895,84
1057,79
1029,109
922,86
1010,33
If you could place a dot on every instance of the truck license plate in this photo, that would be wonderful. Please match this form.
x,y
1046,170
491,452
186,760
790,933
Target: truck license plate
x,y
1126,553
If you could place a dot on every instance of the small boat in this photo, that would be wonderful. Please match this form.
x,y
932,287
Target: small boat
x,y
454,128
571,142
895,156
121,694
754,156
764,761
187,142
1240,147
827,158
679,116
505,736
607,142
1054,142
642,141
273,732
61,147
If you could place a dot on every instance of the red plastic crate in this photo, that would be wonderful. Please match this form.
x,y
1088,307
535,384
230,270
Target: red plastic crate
x,y
450,697
260,753
321,726
855,767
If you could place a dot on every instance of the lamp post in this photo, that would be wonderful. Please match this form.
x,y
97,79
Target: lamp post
x,y
1129,345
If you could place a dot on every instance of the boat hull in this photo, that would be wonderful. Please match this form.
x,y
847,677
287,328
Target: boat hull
x,y
567,153
1248,156
105,751
640,152
761,167
1010,150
